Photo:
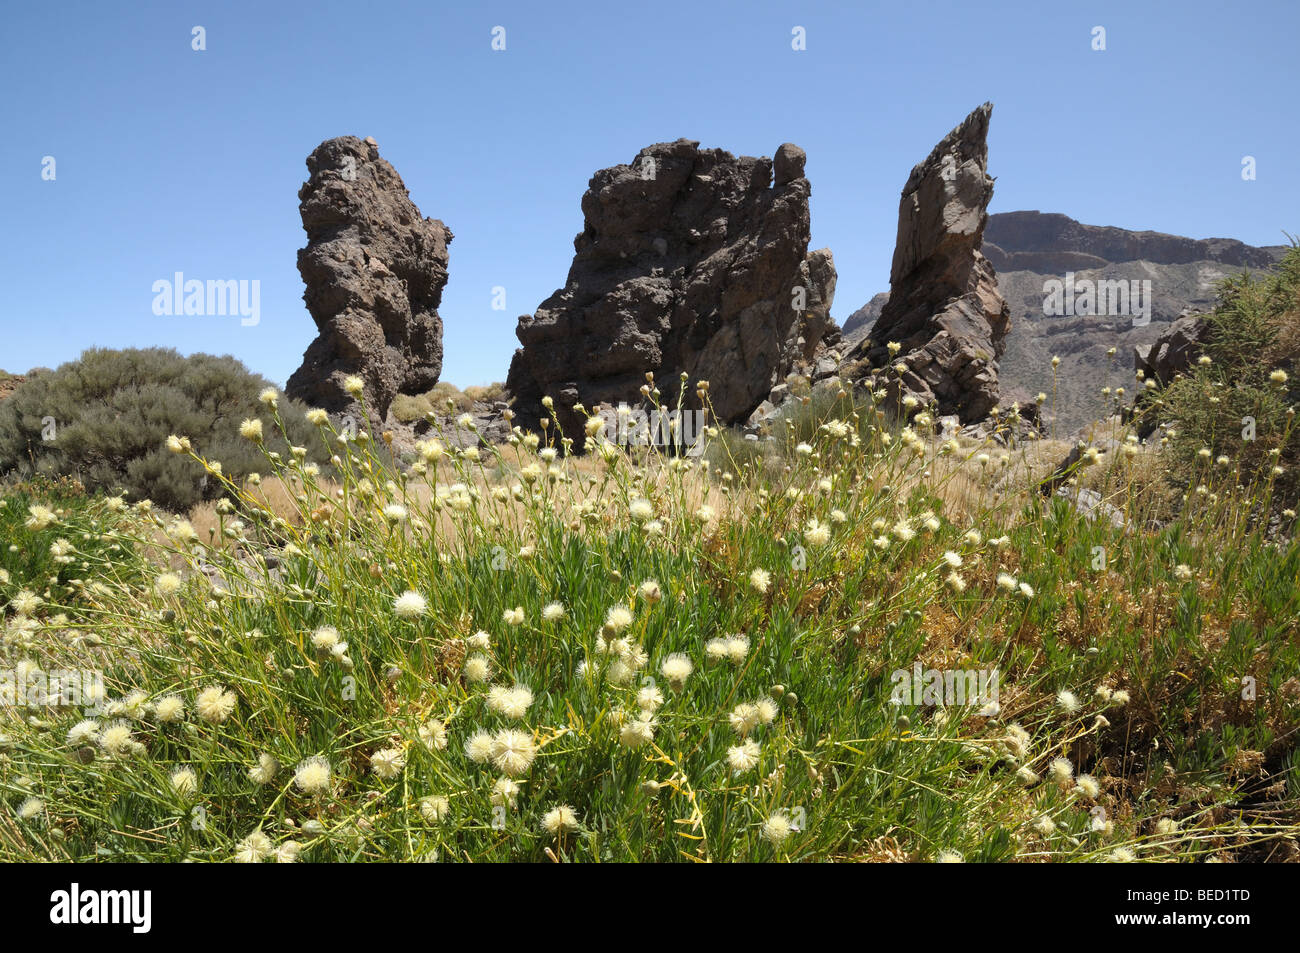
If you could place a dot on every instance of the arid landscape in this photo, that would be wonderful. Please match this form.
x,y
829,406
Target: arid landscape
x,y
703,564
706,578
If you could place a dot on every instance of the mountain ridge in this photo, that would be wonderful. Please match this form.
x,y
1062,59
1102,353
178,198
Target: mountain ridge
x,y
1030,249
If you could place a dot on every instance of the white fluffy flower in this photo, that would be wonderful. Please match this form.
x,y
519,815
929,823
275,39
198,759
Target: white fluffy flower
x,y
637,731
254,848
618,618
313,775
513,751
434,809
214,704
777,828
560,820
743,757
387,763
83,733
676,668
511,702
265,770
816,533
410,605
433,734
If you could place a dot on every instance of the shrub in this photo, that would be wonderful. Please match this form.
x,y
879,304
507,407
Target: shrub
x,y
444,391
1254,333
105,418
485,392
750,459
409,408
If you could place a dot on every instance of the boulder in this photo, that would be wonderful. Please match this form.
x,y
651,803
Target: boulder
x,y
374,270
944,308
1172,354
1174,351
690,261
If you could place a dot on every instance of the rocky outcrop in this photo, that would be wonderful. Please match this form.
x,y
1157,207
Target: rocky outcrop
x,y
1032,249
374,270
9,383
1174,351
690,261
943,308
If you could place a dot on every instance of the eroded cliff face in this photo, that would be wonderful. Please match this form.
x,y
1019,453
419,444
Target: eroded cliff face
x,y
690,261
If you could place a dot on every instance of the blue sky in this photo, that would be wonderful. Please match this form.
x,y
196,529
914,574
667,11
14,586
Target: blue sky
x,y
168,159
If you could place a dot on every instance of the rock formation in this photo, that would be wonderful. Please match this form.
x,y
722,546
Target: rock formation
x,y
1030,249
1172,354
374,270
944,308
9,383
1174,351
690,260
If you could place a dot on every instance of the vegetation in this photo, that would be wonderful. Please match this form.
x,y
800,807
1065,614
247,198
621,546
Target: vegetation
x,y
1231,419
445,398
103,419
37,558
506,654
858,640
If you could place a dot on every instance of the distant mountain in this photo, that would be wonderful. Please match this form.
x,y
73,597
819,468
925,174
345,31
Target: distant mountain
x,y
1038,253
1049,242
866,315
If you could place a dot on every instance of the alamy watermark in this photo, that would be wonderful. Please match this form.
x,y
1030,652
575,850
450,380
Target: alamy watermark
x,y
943,687
29,687
679,429
212,297
133,908
1104,297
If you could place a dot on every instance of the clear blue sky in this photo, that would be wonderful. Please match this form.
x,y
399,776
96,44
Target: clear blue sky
x,y
174,160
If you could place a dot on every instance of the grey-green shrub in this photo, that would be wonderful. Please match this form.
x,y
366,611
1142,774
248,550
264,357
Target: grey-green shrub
x,y
112,410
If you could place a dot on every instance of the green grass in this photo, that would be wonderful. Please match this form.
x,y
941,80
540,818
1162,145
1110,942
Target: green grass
x,y
85,524
1153,648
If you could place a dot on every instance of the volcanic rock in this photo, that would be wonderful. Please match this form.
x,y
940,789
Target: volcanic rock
x,y
374,270
859,324
690,261
1174,351
1172,354
1031,249
944,308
